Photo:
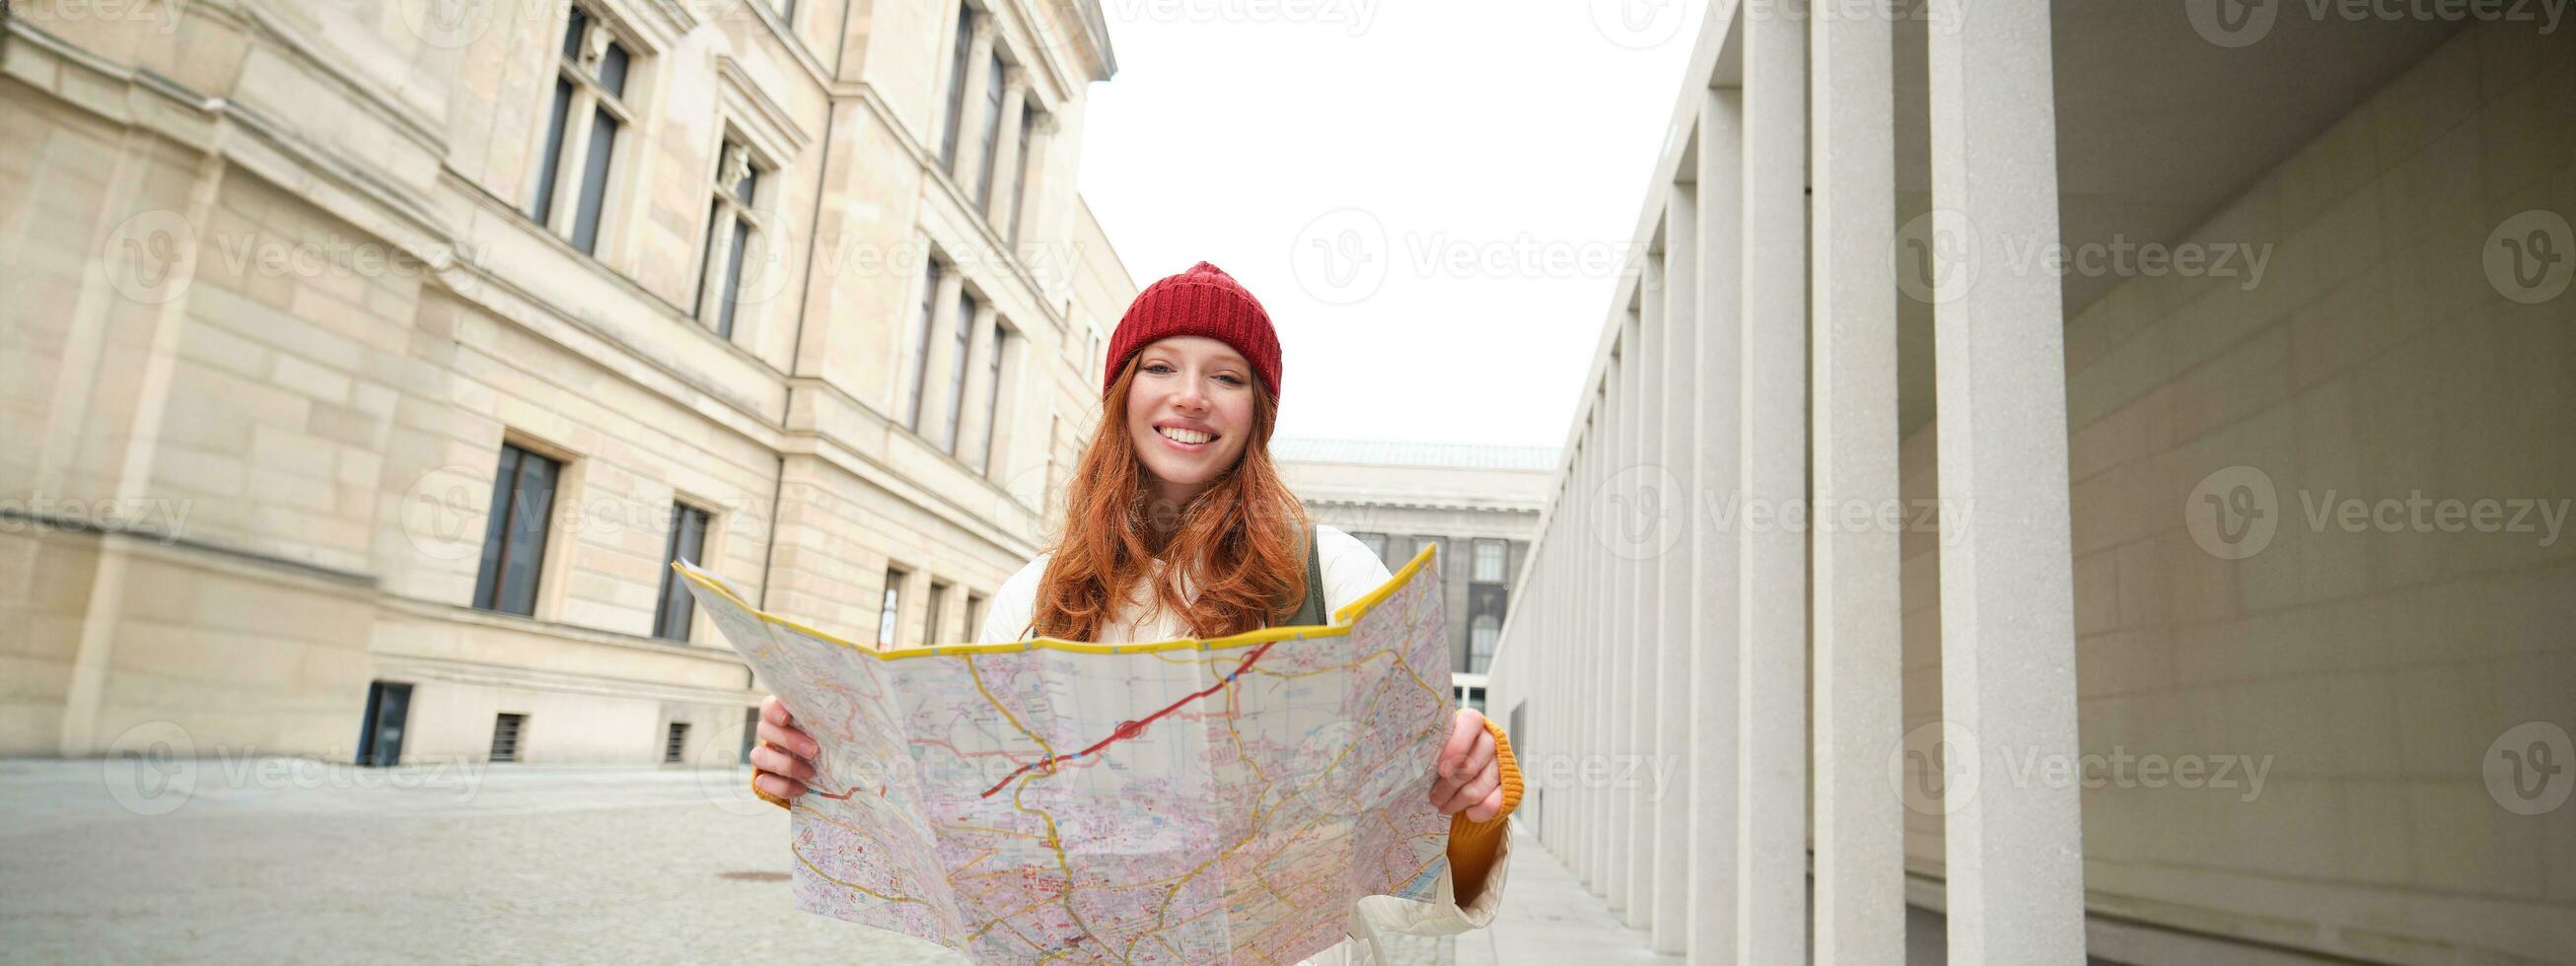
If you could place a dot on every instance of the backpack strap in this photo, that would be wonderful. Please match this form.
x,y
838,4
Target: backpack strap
x,y
1311,610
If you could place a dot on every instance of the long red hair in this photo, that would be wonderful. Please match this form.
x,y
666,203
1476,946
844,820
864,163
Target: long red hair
x,y
1240,542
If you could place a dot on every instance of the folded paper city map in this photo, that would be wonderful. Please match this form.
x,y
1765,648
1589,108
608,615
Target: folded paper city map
x,y
1174,802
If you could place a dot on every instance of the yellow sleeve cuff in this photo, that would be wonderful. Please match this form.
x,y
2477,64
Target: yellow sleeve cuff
x,y
1472,845
755,784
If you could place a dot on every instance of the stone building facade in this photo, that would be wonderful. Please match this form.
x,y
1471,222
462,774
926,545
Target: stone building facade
x,y
1478,504
366,363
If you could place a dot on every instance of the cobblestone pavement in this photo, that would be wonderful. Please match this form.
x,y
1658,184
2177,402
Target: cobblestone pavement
x,y
282,861
290,862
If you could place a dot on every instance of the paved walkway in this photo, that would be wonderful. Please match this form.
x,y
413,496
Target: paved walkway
x,y
1548,917
278,860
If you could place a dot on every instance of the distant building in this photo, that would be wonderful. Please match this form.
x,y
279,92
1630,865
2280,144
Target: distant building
x,y
366,364
1479,504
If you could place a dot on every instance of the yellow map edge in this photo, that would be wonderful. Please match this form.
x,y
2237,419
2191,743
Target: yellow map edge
x,y
1340,627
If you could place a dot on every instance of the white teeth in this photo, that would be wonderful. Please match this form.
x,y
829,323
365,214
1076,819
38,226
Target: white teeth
x,y
1189,436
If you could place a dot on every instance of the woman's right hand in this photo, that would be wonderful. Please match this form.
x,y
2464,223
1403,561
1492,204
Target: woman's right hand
x,y
784,762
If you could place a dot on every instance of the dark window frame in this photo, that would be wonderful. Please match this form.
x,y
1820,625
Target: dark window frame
x,y
890,607
504,529
675,609
593,102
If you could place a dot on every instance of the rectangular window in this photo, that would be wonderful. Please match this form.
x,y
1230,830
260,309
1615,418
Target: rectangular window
x,y
992,136
957,87
733,226
588,111
750,734
1482,634
974,616
892,609
1375,542
506,729
688,542
1421,542
380,736
992,399
921,344
1489,561
965,328
1020,180
514,536
932,631
553,158
675,743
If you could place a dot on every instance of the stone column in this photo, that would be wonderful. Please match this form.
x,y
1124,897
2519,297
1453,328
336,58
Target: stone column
x,y
1681,383
1621,630
1596,834
1716,661
2014,850
1643,618
1006,154
1859,668
1771,904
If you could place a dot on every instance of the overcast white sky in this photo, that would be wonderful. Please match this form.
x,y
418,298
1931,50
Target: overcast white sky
x,y
1343,157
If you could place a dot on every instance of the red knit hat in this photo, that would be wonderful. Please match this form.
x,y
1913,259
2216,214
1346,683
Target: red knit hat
x,y
1204,301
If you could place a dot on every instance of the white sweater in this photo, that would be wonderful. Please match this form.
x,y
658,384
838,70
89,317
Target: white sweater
x,y
1350,570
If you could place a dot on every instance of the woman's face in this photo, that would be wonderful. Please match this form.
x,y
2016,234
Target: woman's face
x,y
1189,412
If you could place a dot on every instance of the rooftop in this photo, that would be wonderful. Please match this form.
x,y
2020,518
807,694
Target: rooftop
x,y
1388,453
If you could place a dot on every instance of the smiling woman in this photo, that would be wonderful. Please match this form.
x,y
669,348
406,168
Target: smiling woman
x,y
1178,525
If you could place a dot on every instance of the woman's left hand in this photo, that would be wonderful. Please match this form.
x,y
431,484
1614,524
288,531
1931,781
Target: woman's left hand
x,y
1468,779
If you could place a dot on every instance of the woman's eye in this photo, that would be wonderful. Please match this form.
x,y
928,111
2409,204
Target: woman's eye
x,y
1230,380
1157,368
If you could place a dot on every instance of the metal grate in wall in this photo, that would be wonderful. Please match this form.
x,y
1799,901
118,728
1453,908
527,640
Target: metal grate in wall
x,y
505,735
675,742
